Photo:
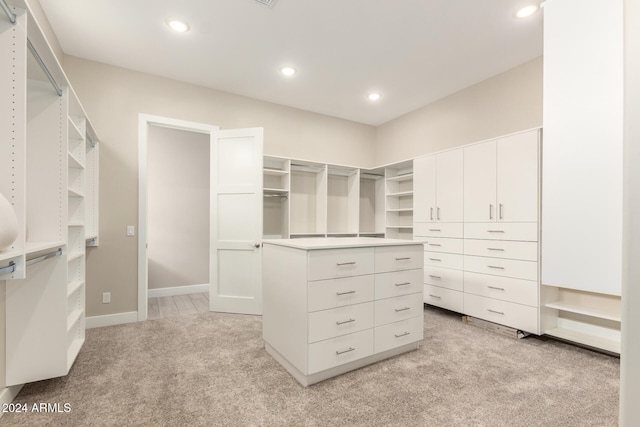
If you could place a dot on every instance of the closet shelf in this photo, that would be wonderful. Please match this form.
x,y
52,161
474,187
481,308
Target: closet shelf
x,y
75,224
74,162
74,130
10,254
74,193
73,318
404,177
33,247
74,256
584,310
74,286
275,172
400,193
586,339
275,191
400,227
400,210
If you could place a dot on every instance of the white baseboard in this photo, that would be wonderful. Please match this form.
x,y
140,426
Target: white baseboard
x,y
178,290
110,320
8,394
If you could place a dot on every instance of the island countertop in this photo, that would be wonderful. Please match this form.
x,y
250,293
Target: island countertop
x,y
338,242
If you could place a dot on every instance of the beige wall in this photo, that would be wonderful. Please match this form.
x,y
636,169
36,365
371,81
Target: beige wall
x,y
178,207
506,103
113,97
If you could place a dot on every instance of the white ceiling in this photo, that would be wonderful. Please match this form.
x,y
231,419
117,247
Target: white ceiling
x,y
411,51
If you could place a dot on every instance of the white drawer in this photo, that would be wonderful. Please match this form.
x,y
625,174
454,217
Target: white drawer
x,y
332,263
438,229
399,308
436,259
502,288
333,352
398,283
527,270
525,231
442,244
526,251
445,298
394,258
398,334
339,321
332,293
510,314
444,277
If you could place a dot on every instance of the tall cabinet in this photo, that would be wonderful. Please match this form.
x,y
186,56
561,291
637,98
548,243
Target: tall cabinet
x,y
46,169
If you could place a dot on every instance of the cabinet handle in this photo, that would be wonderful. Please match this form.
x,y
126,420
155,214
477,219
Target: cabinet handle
x,y
435,277
435,259
435,244
495,249
490,211
496,267
345,351
435,296
346,321
438,214
435,229
402,309
431,214
346,263
500,210
403,258
496,288
345,293
403,284
402,335
495,231
496,312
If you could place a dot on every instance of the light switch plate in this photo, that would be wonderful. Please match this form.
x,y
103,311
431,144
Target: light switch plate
x,y
131,230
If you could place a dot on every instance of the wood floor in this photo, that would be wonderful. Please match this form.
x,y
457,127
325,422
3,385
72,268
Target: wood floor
x,y
179,305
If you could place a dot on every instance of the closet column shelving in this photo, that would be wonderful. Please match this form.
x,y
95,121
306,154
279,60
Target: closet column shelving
x,y
45,170
399,201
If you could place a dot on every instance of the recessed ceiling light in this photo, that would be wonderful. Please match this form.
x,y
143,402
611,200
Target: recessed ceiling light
x,y
374,96
527,11
288,71
178,26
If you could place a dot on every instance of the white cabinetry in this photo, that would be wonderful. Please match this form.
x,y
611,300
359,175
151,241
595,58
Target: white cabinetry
x,y
276,183
341,303
46,169
399,201
439,196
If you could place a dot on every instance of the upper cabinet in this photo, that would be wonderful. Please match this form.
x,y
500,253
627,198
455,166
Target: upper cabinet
x,y
501,179
439,196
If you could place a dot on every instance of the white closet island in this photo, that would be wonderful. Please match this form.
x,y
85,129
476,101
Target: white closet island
x,y
331,305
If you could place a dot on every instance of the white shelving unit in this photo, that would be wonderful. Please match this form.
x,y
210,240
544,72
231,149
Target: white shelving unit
x,y
308,199
44,173
399,201
276,185
343,201
371,213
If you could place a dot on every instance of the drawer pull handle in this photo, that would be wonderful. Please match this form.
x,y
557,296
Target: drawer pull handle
x,y
435,259
431,216
435,296
345,293
438,214
402,335
496,312
496,267
496,288
346,263
435,244
403,258
435,229
346,321
500,207
495,249
402,309
495,231
345,351
403,284
435,277
490,211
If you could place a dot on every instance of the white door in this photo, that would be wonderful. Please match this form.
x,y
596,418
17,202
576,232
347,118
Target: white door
x,y
449,186
424,189
480,182
517,177
236,221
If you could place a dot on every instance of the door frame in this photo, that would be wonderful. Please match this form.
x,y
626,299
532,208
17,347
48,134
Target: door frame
x,y
144,121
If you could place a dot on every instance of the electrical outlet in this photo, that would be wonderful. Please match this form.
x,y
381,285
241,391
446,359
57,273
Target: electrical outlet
x,y
106,297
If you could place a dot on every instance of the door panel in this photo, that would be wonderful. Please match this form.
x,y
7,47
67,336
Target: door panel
x,y
424,189
480,182
449,184
236,221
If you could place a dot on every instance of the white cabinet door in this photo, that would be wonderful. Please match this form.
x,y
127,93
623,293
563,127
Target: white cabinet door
x,y
480,182
424,189
517,177
449,184
236,221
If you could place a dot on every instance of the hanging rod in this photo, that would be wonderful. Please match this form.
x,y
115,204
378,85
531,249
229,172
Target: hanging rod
x,y
44,67
11,268
283,196
32,261
10,14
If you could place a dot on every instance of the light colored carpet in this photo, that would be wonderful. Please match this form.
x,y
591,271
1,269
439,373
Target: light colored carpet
x,y
211,369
